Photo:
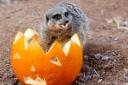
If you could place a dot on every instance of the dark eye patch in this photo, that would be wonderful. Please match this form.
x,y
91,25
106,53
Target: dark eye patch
x,y
57,16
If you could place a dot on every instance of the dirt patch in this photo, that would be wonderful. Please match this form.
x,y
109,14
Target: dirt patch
x,y
107,41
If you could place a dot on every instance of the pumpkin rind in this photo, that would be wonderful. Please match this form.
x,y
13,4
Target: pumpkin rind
x,y
55,67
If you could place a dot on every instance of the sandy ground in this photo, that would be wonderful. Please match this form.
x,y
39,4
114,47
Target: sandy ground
x,y
107,41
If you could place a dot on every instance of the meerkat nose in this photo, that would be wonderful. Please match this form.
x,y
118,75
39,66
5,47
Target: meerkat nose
x,y
66,22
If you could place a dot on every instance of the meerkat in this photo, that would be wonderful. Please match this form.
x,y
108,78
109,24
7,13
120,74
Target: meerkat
x,y
61,22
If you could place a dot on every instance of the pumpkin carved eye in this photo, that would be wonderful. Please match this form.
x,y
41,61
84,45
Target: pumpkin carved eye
x,y
56,61
16,56
33,66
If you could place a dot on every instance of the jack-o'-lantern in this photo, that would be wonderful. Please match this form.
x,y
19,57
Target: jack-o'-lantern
x,y
60,65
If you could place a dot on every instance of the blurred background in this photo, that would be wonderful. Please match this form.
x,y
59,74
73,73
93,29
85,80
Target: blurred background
x,y
107,40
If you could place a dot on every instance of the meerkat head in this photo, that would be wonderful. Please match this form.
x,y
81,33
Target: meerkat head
x,y
58,19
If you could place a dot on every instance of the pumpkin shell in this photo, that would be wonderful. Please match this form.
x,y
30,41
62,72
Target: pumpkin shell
x,y
33,66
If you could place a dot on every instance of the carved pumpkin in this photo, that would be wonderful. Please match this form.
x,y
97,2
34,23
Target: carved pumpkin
x,y
33,66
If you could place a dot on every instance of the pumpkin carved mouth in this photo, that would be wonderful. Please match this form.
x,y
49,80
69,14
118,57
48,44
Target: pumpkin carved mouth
x,y
34,66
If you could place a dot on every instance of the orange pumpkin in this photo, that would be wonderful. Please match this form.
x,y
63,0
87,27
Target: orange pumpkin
x,y
33,66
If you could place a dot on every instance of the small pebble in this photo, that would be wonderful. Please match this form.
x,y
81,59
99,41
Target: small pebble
x,y
98,56
100,80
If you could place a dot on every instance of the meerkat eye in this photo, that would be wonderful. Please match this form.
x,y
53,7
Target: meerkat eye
x,y
57,16
66,14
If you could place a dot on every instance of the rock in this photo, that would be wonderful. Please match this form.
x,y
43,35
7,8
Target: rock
x,y
98,56
100,80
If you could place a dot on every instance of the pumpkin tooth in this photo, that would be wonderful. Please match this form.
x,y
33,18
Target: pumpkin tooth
x,y
51,48
17,37
37,81
26,44
28,34
66,48
75,38
55,60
